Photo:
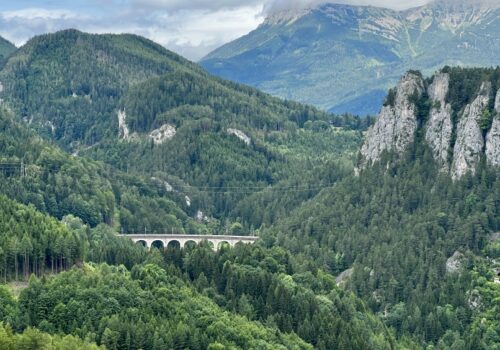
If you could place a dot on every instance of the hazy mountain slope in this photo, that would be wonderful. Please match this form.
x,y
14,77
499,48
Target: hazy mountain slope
x,y
342,57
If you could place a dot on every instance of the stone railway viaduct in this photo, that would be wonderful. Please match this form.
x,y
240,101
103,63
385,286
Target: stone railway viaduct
x,y
163,240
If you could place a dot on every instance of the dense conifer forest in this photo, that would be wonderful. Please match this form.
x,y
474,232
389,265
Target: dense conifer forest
x,y
343,261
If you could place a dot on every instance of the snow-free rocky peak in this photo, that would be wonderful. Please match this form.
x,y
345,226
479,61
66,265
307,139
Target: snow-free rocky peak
x,y
493,136
439,126
343,58
397,122
470,142
458,139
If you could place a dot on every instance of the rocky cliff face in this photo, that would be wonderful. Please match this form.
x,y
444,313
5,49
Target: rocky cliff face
x,y
493,136
458,139
397,122
470,143
439,127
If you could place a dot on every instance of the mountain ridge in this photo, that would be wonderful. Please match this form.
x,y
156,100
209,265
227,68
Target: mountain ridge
x,y
460,128
333,55
6,49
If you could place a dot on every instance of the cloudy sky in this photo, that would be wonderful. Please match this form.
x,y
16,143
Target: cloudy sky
x,y
190,27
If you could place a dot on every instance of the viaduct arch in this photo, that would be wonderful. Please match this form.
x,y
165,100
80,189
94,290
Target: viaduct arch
x,y
164,240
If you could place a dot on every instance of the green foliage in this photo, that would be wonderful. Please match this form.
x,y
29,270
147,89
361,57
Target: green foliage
x,y
465,83
33,339
34,243
70,82
265,285
390,99
144,309
71,85
396,226
393,226
154,100
484,331
249,281
422,106
60,184
486,120
6,49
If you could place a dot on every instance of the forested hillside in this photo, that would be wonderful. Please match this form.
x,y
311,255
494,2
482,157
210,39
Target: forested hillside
x,y
224,138
68,84
107,134
60,184
241,298
416,243
6,48
144,110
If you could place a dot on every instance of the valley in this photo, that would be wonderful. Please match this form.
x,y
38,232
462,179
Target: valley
x,y
148,204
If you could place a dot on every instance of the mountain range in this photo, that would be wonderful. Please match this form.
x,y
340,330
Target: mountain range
x,y
343,58
372,234
142,109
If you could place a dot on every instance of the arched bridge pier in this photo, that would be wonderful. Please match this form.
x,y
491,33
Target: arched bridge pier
x,y
164,240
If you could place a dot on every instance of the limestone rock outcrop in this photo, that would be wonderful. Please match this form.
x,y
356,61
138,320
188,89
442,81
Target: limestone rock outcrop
x,y
162,134
439,126
470,143
458,138
396,125
240,134
493,136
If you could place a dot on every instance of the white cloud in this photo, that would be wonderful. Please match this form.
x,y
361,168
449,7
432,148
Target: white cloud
x,y
195,33
190,27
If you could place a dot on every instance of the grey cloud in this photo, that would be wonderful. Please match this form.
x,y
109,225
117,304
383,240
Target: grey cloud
x,y
178,5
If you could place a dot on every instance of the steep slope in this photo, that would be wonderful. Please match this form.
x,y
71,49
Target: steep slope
x,y
67,84
412,232
393,228
6,48
456,111
212,134
343,58
33,171
142,109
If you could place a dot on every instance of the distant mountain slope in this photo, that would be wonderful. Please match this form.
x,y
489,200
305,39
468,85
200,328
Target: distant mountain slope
x,y
6,48
342,58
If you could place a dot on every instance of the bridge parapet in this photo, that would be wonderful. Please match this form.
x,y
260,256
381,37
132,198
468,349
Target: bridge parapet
x,y
165,239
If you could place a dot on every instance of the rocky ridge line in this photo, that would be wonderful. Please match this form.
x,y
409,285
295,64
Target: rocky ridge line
x,y
397,124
